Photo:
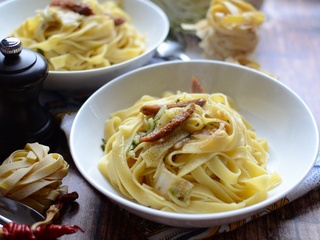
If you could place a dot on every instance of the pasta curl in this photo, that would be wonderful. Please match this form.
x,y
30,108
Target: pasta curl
x,y
212,162
33,176
72,41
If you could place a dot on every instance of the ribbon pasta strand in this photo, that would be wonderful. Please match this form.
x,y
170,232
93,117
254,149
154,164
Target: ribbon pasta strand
x,y
211,162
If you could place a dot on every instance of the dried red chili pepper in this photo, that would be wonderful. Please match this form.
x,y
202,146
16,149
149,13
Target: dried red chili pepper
x,y
52,231
15,231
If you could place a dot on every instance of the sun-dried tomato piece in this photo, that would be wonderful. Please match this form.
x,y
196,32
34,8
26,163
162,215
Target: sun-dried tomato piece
x,y
152,110
78,7
196,86
170,126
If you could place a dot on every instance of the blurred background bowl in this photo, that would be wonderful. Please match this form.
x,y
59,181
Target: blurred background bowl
x,y
147,17
275,112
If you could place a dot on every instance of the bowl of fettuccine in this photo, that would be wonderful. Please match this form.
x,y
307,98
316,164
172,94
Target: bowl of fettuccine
x,y
194,144
86,42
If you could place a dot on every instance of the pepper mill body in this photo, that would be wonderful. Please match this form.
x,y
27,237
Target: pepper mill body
x,y
22,118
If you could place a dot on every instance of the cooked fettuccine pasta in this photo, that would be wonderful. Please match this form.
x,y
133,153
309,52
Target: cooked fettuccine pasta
x,y
186,153
82,36
33,176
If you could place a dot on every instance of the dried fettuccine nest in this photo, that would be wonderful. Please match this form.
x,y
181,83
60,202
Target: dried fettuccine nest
x,y
33,176
229,31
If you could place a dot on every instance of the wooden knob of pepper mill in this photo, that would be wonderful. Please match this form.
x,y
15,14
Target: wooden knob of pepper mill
x,y
22,118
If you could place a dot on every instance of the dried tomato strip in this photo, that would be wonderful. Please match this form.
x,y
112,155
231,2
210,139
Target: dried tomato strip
x,y
152,110
81,8
117,20
196,86
170,126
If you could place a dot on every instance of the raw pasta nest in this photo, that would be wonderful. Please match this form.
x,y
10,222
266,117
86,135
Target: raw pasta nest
x,y
33,176
230,31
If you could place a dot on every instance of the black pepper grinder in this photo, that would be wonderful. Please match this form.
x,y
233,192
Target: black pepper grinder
x,y
22,118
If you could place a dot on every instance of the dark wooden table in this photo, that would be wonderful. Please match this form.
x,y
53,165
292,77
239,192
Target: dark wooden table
x,y
289,48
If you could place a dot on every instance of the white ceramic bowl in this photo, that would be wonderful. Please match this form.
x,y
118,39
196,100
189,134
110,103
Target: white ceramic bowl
x,y
275,111
147,17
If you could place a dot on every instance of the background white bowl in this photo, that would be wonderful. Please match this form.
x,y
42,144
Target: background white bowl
x,y
276,113
147,17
